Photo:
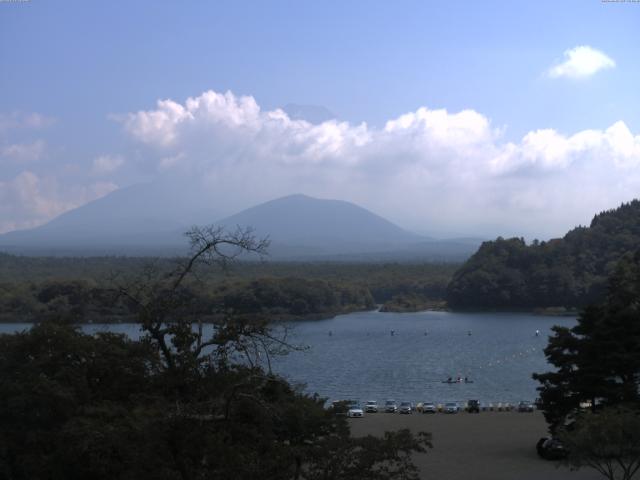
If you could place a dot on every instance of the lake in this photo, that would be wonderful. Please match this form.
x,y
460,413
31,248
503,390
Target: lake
x,y
356,356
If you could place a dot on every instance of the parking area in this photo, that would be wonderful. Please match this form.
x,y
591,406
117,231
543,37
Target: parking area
x,y
485,446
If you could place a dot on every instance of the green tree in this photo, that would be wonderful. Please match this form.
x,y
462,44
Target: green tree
x,y
598,360
607,441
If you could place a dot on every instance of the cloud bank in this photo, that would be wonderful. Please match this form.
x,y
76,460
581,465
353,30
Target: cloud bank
x,y
581,62
107,164
429,170
32,193
28,200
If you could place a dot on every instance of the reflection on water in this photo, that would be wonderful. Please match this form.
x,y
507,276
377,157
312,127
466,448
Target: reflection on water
x,y
356,355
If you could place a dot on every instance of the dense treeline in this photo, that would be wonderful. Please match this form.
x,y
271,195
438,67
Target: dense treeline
x,y
384,280
82,289
570,272
284,297
79,301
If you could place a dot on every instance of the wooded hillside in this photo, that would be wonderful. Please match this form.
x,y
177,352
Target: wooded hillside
x,y
569,272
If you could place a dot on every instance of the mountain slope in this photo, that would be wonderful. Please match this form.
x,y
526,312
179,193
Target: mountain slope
x,y
150,219
141,216
569,272
321,226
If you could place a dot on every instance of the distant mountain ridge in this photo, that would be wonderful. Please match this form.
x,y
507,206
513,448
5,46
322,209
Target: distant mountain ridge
x,y
150,219
568,272
325,225
144,214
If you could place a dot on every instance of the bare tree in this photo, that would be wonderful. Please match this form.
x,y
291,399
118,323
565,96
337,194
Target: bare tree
x,y
167,308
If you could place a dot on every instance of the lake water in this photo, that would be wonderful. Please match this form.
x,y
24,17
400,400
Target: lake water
x,y
355,355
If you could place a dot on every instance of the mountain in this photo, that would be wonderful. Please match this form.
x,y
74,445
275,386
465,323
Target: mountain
x,y
144,218
569,272
321,226
150,219
314,114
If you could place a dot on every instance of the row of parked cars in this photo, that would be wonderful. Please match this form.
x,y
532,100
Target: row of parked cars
x,y
353,409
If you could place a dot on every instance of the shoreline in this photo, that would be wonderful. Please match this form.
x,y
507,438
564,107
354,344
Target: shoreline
x,y
317,316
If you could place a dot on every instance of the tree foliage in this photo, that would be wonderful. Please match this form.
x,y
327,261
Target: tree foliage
x,y
81,289
607,441
175,404
570,272
597,360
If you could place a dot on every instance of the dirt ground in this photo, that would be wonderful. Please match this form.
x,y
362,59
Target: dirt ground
x,y
485,446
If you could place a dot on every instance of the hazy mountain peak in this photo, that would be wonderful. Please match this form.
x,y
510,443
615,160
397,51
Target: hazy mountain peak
x,y
149,219
301,219
315,114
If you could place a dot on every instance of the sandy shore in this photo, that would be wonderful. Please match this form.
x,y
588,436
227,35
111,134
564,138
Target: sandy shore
x,y
485,446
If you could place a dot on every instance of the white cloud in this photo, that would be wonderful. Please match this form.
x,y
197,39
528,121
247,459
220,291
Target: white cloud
x,y
581,62
28,200
23,120
23,152
428,169
106,164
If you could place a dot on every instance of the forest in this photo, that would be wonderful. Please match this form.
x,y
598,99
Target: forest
x,y
569,272
81,289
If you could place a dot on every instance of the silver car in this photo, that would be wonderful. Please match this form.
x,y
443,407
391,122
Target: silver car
x,y
451,407
390,406
406,408
429,407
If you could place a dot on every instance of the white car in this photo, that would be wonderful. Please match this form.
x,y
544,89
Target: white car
x,y
371,406
451,407
428,407
355,410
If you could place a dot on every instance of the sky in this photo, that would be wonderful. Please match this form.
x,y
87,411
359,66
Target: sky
x,y
451,118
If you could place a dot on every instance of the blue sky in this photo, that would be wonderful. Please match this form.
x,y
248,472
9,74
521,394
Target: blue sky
x,y
82,66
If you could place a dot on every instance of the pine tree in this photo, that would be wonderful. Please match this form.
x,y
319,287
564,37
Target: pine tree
x,y
598,360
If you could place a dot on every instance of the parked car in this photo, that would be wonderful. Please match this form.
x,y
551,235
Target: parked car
x,y
428,407
451,407
390,406
406,407
473,406
371,406
551,448
525,406
355,410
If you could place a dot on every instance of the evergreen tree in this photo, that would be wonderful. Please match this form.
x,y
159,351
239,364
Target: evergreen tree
x,y
598,360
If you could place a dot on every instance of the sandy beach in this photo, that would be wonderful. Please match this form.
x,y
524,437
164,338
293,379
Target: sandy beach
x,y
485,446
